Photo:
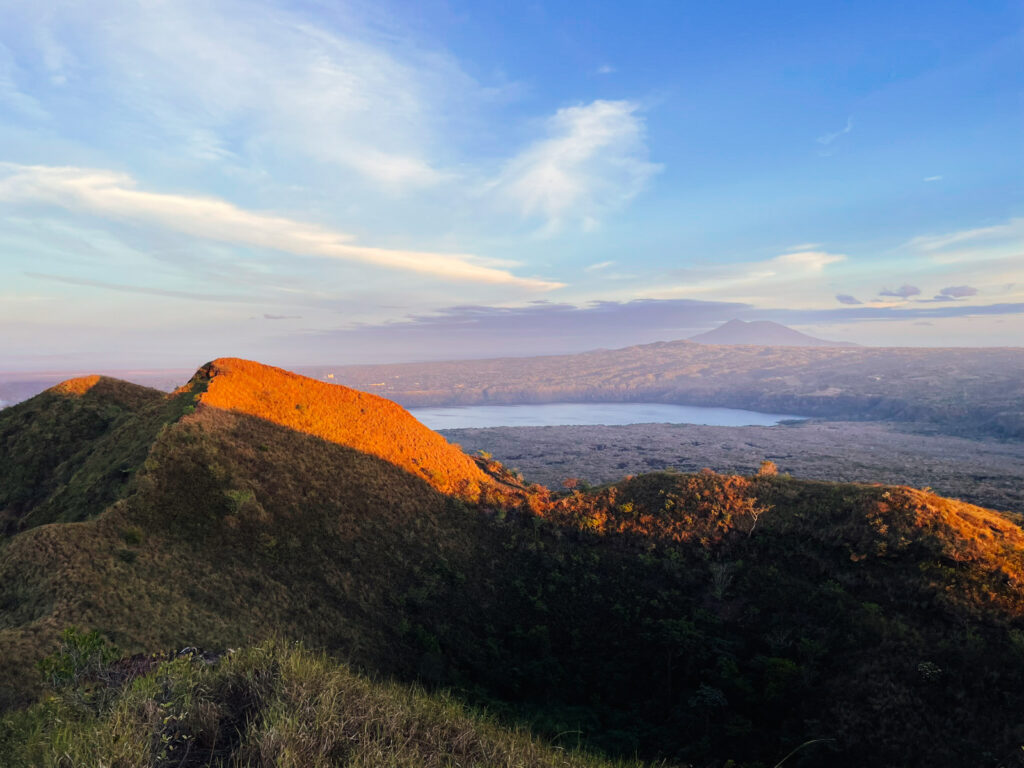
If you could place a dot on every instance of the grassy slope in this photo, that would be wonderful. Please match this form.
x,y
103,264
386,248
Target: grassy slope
x,y
359,420
239,528
702,617
68,453
272,706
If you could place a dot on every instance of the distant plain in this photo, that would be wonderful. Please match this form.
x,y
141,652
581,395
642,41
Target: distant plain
x,y
987,472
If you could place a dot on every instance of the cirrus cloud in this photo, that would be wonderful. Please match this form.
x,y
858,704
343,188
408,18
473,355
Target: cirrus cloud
x,y
239,82
1012,230
828,138
593,160
795,275
114,195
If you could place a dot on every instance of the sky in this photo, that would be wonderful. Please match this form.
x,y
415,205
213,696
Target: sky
x,y
334,182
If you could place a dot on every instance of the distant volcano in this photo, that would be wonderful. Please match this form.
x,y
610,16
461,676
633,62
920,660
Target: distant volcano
x,y
763,333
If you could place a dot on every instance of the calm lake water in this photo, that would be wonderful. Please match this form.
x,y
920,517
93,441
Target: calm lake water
x,y
559,414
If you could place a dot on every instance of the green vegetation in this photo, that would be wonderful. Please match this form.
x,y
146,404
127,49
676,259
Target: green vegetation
x,y
70,452
81,655
272,705
695,618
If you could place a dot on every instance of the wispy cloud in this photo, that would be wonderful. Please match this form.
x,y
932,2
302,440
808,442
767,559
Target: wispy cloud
x,y
598,266
813,261
11,95
828,138
845,298
605,69
1011,230
201,76
932,178
115,196
594,159
220,298
754,281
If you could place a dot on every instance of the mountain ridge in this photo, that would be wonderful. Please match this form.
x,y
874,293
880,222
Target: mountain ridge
x,y
635,613
360,420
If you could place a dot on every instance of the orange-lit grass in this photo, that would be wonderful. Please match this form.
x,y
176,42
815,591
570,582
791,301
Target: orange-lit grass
x,y
690,508
362,421
981,550
78,386
124,394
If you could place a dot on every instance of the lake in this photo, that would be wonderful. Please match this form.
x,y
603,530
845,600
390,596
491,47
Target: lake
x,y
561,414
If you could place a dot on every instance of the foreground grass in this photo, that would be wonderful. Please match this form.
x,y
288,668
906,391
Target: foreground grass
x,y
272,705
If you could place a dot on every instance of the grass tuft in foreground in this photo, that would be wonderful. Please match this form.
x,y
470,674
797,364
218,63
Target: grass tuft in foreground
x,y
275,704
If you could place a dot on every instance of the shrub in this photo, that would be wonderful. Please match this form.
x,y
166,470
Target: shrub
x,y
132,535
78,670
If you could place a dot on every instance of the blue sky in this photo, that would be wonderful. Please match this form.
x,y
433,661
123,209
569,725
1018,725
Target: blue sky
x,y
348,182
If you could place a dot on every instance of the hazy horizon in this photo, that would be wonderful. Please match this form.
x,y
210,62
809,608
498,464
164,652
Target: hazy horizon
x,y
324,360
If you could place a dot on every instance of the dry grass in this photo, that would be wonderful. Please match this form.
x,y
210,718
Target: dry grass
x,y
273,705
361,421
70,452
78,386
705,507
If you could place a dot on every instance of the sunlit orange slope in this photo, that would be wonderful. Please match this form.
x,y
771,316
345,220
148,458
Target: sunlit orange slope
x,y
362,421
106,390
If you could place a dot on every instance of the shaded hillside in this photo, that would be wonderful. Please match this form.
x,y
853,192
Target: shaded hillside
x,y
73,450
697,617
245,511
18,386
965,391
762,333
